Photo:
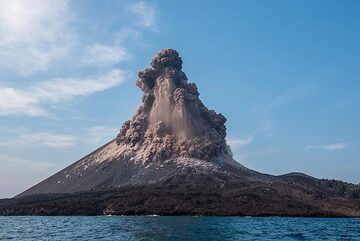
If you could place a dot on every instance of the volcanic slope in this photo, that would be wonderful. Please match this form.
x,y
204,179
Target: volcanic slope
x,y
172,133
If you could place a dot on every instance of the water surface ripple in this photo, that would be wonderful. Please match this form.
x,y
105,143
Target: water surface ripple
x,y
177,228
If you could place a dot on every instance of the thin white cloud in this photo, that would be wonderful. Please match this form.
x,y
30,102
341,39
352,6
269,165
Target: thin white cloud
x,y
65,88
19,173
100,134
297,93
17,102
34,34
24,138
329,147
145,12
235,142
238,142
31,101
7,160
39,139
104,55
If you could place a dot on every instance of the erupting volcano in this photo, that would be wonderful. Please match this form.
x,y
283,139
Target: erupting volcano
x,y
172,132
172,158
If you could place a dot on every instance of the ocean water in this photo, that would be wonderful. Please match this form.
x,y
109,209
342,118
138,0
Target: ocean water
x,y
177,228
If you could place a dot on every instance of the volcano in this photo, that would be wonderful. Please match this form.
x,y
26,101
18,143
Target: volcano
x,y
172,158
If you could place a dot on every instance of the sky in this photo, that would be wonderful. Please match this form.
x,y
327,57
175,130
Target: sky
x,y
284,73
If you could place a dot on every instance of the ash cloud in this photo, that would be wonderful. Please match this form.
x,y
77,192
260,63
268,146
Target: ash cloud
x,y
172,121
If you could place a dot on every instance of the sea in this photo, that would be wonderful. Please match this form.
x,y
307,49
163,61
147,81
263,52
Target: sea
x,y
177,228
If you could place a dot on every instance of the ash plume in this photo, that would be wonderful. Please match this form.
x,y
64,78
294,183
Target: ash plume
x,y
172,121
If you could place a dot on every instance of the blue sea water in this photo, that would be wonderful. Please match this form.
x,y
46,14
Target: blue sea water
x,y
177,228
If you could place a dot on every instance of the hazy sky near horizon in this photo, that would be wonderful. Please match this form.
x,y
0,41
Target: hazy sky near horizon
x,y
285,74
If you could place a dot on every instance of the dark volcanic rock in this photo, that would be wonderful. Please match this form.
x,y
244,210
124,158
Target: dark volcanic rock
x,y
171,158
196,195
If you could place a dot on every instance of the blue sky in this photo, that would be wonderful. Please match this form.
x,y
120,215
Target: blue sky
x,y
285,74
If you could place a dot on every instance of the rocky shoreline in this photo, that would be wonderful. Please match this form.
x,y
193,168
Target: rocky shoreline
x,y
204,198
